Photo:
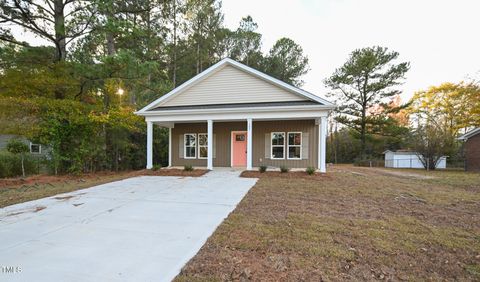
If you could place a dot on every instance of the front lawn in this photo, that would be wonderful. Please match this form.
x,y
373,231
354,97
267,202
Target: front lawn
x,y
356,223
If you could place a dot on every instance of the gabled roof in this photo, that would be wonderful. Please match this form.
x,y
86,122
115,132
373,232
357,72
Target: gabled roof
x,y
469,134
156,105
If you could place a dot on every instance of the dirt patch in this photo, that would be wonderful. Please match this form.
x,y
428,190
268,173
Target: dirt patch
x,y
51,180
64,198
33,210
401,173
290,174
174,172
367,226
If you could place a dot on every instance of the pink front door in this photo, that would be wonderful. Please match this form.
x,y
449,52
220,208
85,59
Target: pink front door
x,y
239,148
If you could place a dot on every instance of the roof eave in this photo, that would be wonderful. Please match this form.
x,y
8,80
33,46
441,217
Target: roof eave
x,y
235,110
467,135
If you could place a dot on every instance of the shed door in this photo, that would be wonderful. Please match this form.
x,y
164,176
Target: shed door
x,y
239,148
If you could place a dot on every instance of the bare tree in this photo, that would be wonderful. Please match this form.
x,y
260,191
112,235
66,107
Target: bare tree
x,y
430,144
58,21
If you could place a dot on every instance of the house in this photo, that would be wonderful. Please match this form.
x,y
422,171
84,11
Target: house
x,y
232,115
408,159
35,149
472,149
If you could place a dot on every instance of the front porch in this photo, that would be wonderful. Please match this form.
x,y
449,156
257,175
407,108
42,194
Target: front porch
x,y
297,142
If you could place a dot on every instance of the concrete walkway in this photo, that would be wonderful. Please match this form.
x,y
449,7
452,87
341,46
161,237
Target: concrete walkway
x,y
139,229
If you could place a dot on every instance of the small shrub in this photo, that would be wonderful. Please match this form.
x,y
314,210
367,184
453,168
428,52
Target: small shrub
x,y
310,170
156,167
262,168
188,167
284,169
11,165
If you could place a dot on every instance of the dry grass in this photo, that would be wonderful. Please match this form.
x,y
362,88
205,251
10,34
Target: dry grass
x,y
18,190
356,224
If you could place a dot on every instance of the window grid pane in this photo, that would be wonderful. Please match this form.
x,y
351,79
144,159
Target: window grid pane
x,y
203,152
190,152
294,152
277,152
202,139
294,139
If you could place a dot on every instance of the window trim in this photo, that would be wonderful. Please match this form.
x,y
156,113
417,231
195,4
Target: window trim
x,y
39,148
277,146
198,145
300,146
185,146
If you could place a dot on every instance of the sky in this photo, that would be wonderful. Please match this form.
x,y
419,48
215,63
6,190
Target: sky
x,y
440,39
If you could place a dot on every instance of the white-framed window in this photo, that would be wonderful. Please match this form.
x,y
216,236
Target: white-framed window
x,y
278,145
35,148
294,146
190,145
202,145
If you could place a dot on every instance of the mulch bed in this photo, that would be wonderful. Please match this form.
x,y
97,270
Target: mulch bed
x,y
174,172
49,179
290,174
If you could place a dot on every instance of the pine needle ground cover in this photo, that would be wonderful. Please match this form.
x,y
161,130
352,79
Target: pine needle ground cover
x,y
357,223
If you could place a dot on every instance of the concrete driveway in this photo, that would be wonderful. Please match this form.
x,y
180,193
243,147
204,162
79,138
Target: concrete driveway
x,y
139,229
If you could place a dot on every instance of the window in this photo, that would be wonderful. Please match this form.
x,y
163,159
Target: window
x,y
190,145
202,145
35,148
278,145
294,146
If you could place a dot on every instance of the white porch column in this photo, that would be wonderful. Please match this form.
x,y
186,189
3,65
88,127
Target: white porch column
x,y
169,146
322,144
249,144
149,144
210,144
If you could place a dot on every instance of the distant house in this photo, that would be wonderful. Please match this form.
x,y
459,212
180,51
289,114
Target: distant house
x,y
35,148
408,159
472,149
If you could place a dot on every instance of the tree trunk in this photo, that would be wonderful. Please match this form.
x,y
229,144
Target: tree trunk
x,y
60,35
110,44
109,34
362,132
174,67
198,57
23,167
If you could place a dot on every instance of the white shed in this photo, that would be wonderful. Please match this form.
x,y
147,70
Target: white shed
x,y
408,159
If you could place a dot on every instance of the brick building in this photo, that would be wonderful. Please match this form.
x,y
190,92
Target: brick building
x,y
472,149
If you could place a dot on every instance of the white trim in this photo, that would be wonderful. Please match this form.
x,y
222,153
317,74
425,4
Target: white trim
x,y
322,144
288,145
228,61
185,146
198,146
271,145
209,144
238,110
39,148
293,114
169,147
149,145
231,144
249,144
